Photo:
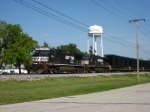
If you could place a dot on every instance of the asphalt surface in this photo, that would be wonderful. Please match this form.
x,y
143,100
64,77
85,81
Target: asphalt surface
x,y
129,99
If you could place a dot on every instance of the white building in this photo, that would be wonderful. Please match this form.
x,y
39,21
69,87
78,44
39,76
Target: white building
x,y
12,70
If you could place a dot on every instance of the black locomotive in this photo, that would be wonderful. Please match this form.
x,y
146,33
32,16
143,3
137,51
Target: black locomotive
x,y
58,61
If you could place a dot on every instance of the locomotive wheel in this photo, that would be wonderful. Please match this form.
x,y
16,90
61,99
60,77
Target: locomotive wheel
x,y
40,70
90,71
55,71
78,71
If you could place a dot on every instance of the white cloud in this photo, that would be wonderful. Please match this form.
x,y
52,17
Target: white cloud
x,y
44,35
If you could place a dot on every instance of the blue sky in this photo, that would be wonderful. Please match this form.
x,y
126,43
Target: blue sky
x,y
111,15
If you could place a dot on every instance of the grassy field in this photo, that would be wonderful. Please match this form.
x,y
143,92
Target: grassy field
x,y
14,91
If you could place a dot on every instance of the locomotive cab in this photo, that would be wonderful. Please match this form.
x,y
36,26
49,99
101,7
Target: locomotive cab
x,y
39,59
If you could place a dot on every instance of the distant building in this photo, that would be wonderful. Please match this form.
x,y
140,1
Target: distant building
x,y
10,69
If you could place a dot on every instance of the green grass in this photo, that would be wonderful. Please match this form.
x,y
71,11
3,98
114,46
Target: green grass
x,y
13,91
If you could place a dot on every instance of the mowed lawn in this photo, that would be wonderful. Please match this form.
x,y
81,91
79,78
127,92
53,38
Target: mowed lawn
x,y
13,91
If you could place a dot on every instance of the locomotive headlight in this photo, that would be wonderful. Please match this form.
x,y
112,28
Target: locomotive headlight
x,y
100,60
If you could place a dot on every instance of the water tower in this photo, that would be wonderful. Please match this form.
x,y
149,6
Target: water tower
x,y
95,32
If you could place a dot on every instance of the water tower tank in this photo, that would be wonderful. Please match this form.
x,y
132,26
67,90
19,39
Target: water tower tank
x,y
96,30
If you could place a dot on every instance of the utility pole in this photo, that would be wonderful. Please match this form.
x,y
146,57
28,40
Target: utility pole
x,y
137,44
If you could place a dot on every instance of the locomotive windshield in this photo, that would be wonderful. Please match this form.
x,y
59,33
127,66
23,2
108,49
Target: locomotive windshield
x,y
42,50
86,57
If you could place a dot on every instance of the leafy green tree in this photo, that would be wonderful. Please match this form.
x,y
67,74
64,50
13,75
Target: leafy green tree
x,y
17,46
70,47
45,44
141,59
2,26
91,50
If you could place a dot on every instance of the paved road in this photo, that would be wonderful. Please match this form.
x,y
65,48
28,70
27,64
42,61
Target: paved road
x,y
130,99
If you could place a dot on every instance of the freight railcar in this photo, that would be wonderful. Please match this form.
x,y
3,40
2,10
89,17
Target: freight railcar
x,y
120,63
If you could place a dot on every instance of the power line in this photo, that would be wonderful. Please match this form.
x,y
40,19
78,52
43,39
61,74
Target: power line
x,y
107,9
72,18
144,50
125,43
117,9
113,8
147,24
125,13
60,13
145,27
76,20
120,41
68,16
50,15
133,14
145,34
126,8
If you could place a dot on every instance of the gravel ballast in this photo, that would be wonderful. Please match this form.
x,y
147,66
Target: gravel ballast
x,y
4,77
